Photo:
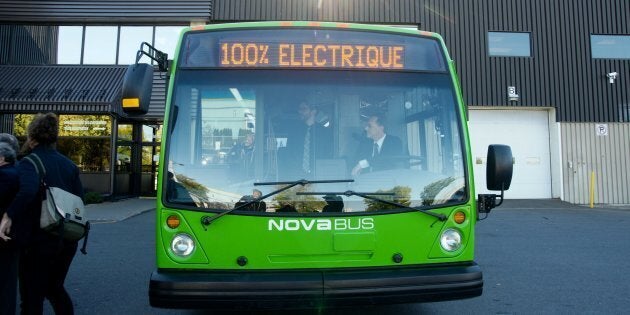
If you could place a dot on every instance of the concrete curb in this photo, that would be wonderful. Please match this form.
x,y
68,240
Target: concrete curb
x,y
120,210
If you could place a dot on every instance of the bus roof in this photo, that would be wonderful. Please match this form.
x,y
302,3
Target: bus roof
x,y
308,24
316,24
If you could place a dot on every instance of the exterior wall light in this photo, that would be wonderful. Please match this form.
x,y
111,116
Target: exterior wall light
x,y
612,76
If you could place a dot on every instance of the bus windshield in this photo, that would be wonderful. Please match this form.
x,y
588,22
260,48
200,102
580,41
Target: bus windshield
x,y
396,133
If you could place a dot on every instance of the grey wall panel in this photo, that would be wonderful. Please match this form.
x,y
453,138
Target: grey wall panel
x,y
67,89
60,84
95,12
57,108
6,123
5,43
560,72
585,152
72,89
28,44
366,11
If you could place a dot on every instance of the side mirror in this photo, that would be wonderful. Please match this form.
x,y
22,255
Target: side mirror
x,y
136,89
498,176
499,167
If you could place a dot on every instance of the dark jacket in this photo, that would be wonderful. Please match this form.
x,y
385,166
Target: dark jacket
x,y
390,157
9,183
321,147
25,208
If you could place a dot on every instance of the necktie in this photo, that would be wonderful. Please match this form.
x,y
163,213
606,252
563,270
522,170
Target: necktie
x,y
306,158
375,149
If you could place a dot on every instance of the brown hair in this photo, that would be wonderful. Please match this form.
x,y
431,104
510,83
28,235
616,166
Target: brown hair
x,y
44,129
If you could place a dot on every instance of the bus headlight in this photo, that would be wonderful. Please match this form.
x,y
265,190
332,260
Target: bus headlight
x,y
182,245
451,240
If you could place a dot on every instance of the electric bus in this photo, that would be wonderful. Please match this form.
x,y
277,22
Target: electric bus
x,y
313,165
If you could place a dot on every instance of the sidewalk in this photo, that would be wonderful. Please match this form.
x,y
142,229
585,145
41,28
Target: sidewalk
x,y
119,210
556,204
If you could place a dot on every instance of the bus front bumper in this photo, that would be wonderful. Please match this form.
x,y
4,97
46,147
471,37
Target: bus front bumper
x,y
313,289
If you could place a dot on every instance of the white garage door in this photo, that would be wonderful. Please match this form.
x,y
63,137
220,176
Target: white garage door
x,y
527,132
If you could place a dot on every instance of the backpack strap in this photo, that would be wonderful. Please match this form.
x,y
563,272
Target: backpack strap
x,y
39,166
87,233
41,171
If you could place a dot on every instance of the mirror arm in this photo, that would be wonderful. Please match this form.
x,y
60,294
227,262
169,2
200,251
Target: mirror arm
x,y
487,202
502,190
161,58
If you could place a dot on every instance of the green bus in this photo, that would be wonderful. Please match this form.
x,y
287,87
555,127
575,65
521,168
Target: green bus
x,y
313,165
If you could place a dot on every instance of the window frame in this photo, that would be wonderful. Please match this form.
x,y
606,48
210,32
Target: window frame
x,y
119,28
529,43
624,36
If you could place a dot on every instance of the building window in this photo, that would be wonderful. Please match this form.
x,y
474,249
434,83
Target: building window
x,y
125,132
166,38
130,39
100,45
70,43
106,45
610,46
85,139
506,44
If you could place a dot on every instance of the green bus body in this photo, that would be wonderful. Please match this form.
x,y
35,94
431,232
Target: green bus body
x,y
274,260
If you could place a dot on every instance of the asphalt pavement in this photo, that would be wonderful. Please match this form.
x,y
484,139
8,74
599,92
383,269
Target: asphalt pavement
x,y
537,256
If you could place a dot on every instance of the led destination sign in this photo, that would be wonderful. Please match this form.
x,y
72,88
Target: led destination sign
x,y
311,55
311,49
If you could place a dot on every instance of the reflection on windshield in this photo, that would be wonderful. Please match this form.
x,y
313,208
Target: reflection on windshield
x,y
390,132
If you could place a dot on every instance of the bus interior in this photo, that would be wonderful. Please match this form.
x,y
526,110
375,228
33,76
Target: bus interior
x,y
231,129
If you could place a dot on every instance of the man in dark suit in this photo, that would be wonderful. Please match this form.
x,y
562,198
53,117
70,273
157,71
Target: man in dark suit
x,y
380,152
310,140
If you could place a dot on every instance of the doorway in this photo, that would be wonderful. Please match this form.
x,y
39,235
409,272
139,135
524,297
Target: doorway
x,y
527,133
151,140
137,152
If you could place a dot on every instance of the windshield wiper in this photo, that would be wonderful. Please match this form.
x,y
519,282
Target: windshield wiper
x,y
206,220
366,195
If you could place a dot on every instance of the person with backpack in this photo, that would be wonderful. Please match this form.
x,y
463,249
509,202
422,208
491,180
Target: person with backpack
x,y
45,258
9,183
